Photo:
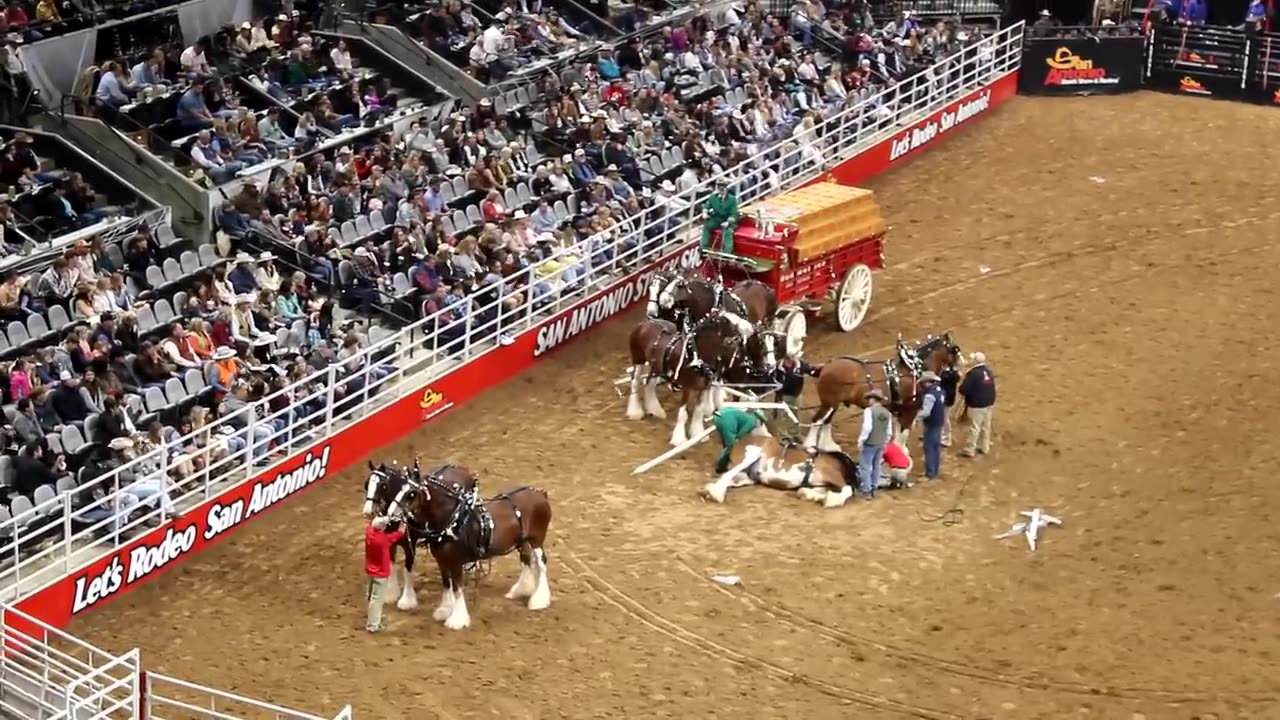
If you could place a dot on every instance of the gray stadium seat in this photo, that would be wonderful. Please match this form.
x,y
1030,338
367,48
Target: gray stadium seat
x,y
346,272
92,428
165,236
348,233
193,381
460,221
38,327
190,262
146,319
66,484
163,312
155,277
460,188
58,318
6,471
154,399
208,256
363,227
524,193
55,443
172,271
174,391
180,299
116,255
44,494
20,505
17,333
511,199
473,215
377,220
401,284
72,440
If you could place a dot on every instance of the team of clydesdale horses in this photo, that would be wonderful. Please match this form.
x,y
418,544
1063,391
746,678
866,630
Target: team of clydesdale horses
x,y
697,334
443,510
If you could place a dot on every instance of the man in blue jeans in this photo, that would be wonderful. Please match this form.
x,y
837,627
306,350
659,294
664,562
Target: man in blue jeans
x,y
933,415
877,423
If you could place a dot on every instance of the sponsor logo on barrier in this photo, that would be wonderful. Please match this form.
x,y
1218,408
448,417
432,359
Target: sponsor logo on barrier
x,y
603,307
433,403
149,558
918,137
1068,68
1193,86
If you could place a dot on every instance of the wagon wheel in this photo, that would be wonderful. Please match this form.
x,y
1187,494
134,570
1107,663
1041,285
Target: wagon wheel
x,y
853,297
793,325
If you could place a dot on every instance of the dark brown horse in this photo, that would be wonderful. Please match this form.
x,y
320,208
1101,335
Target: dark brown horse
x,y
679,297
845,381
718,346
380,489
444,507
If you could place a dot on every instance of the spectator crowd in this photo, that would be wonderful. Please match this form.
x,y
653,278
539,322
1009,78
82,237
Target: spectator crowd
x,y
175,358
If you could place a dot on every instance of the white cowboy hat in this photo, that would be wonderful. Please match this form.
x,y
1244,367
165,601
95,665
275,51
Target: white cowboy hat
x,y
566,158
362,252
1045,13
222,352
120,443
929,376
584,120
246,298
246,25
519,215
668,186
266,257
243,257
611,168
873,394
978,358
264,340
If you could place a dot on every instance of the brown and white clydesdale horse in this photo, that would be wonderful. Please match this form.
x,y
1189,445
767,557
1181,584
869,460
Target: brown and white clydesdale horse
x,y
845,381
444,508
829,478
719,345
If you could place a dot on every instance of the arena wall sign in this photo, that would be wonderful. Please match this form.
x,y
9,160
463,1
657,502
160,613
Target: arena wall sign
x,y
146,556
1074,66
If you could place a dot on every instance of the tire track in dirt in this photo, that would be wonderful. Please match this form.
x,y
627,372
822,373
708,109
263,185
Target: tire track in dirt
x,y
650,618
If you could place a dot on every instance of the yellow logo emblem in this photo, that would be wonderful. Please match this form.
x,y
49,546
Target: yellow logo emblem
x,y
430,398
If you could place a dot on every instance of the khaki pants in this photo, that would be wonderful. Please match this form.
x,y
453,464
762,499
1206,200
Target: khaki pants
x,y
374,596
979,431
783,425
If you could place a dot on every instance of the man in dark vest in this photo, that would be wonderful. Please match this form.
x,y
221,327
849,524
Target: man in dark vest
x,y
933,415
979,391
877,423
790,375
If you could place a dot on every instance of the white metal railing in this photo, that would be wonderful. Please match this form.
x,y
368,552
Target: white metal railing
x,y
47,674
59,535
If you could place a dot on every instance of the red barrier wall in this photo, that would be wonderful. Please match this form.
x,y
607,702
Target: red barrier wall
x,y
148,555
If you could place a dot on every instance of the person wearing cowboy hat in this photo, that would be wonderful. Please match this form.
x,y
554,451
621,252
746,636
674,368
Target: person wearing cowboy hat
x,y
933,416
732,424
722,213
242,276
267,276
877,424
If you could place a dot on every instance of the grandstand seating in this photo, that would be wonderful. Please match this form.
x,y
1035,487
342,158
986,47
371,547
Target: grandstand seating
x,y
514,201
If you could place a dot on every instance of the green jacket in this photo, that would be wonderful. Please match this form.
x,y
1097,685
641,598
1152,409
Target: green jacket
x,y
721,209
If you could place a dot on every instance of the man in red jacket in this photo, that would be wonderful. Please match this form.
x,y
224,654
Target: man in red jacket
x,y
897,465
381,534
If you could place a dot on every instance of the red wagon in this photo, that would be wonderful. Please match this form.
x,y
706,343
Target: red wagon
x,y
812,245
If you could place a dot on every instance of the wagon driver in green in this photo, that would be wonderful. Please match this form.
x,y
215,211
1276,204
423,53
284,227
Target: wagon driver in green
x,y
733,424
722,212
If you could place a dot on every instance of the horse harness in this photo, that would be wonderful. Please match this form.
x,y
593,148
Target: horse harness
x,y
470,506
686,340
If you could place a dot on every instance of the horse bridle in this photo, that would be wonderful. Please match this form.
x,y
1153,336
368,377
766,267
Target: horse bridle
x,y
463,502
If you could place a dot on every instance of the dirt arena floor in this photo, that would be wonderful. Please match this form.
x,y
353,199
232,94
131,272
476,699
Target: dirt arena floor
x,y
1114,257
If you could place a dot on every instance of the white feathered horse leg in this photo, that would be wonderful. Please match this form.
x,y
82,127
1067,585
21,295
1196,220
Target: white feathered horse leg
x,y
735,477
635,400
699,414
651,404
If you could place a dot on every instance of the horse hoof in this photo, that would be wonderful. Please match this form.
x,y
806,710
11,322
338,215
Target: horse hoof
x,y
659,413
713,492
536,603
442,613
407,603
457,623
